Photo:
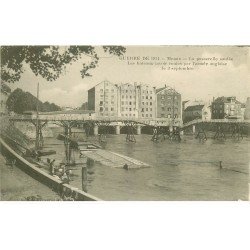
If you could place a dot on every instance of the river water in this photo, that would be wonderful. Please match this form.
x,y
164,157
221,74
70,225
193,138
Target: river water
x,y
188,170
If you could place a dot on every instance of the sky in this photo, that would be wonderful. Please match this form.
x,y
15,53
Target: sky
x,y
200,83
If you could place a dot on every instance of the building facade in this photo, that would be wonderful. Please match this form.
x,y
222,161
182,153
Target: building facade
x,y
147,103
196,112
168,103
132,100
128,102
226,107
103,99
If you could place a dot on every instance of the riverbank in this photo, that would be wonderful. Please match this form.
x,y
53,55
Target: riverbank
x,y
16,185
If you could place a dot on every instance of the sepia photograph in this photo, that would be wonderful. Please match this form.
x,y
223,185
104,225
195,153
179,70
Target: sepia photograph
x,y
125,123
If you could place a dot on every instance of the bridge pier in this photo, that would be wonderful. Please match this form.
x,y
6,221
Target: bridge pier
x,y
117,129
138,130
96,130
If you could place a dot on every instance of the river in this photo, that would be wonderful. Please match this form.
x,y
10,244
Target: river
x,y
188,170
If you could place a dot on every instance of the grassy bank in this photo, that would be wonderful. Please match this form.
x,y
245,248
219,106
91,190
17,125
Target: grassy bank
x,y
15,185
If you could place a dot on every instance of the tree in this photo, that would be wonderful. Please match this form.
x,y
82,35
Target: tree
x,y
20,101
48,61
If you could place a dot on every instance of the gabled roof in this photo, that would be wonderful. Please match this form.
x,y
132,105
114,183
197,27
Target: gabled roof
x,y
224,99
194,108
169,89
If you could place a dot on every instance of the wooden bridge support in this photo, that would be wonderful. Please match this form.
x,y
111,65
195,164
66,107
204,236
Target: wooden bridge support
x,y
67,142
201,135
155,136
219,134
101,128
237,132
39,135
130,137
176,134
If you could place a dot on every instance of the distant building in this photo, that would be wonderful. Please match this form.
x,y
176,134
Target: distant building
x,y
226,107
103,99
84,106
147,101
168,103
247,110
67,108
5,91
196,112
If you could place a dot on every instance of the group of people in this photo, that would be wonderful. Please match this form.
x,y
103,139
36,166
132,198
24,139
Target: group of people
x,y
61,171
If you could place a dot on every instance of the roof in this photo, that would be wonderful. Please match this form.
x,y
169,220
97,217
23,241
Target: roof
x,y
224,99
166,88
194,108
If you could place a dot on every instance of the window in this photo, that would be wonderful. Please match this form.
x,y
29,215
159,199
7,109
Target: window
x,y
162,108
101,90
150,115
122,96
143,97
146,97
122,103
101,102
101,109
122,109
130,109
142,110
112,109
146,109
130,103
106,109
151,97
151,109
150,103
142,115
151,92
131,97
146,115
142,103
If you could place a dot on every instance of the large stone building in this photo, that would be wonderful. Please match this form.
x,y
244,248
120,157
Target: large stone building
x,y
103,99
226,107
169,103
134,101
5,91
128,102
147,105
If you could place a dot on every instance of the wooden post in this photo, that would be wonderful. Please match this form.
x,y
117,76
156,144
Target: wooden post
x,y
84,178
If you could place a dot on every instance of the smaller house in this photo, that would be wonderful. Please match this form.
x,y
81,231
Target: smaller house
x,y
196,112
226,107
